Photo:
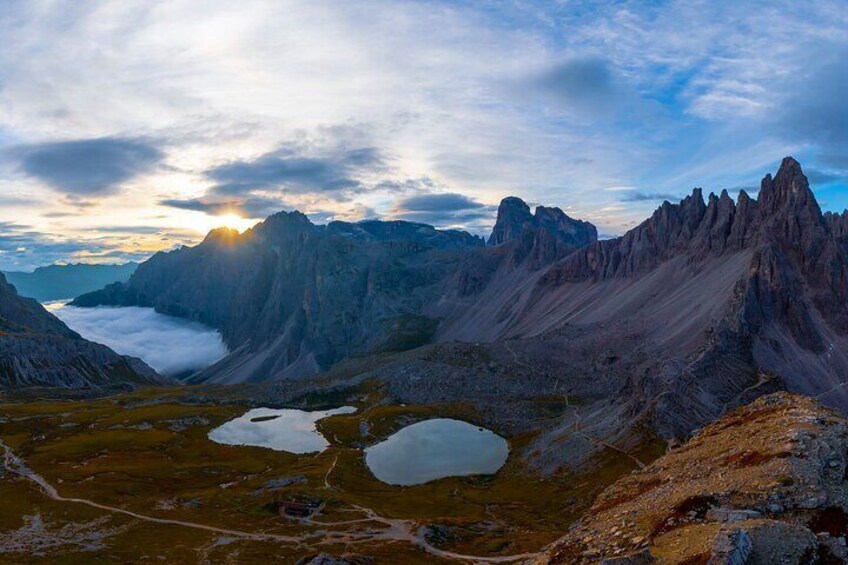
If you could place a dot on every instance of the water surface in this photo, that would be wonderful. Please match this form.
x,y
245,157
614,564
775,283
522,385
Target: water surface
x,y
434,449
281,430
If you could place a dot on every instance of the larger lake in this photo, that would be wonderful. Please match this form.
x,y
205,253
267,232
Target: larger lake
x,y
434,449
282,430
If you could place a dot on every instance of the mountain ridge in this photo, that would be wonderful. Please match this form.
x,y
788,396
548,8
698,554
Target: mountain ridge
x,y
707,303
39,350
61,282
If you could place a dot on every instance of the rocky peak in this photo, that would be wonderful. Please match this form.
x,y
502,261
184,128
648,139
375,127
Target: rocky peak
x,y
513,215
761,485
545,236
221,236
789,189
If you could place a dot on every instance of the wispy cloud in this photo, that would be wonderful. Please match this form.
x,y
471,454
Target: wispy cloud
x,y
443,210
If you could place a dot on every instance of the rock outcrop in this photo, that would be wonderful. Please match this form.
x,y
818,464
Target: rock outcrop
x,y
543,237
764,484
39,350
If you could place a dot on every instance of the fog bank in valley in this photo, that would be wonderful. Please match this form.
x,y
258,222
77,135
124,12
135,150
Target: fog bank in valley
x,y
170,345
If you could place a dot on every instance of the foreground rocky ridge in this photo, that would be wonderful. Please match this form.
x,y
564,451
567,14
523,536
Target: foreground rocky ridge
x,y
39,350
764,484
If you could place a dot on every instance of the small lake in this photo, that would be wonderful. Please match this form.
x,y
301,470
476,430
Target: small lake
x,y
434,449
281,430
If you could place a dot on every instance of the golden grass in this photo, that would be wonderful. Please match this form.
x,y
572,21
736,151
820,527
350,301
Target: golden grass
x,y
182,475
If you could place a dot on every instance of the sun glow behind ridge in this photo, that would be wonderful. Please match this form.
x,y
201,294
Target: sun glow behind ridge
x,y
233,221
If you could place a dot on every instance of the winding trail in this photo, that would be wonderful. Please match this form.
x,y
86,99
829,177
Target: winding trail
x,y
396,529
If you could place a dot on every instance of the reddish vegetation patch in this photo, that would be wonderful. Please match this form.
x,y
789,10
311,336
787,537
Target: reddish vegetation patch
x,y
693,509
832,520
638,489
745,417
752,458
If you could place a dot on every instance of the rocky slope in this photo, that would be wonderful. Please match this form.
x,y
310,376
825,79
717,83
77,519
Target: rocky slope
x,y
704,306
292,298
764,484
38,350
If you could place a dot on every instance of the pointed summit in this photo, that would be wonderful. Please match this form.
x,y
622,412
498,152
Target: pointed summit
x,y
788,189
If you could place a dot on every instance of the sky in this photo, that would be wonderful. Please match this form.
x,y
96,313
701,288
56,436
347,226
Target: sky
x,y
131,127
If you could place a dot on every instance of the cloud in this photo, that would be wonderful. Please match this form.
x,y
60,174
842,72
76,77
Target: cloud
x,y
819,176
638,196
289,170
22,247
816,110
585,82
259,187
88,166
443,210
531,98
170,345
249,206
445,202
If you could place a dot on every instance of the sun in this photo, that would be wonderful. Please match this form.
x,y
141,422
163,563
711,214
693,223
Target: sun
x,y
232,221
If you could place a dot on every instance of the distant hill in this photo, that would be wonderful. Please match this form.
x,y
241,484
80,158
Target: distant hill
x,y
60,282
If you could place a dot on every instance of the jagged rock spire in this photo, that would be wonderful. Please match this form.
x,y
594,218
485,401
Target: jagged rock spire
x,y
788,189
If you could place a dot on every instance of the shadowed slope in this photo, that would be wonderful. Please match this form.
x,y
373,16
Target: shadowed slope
x,y
39,350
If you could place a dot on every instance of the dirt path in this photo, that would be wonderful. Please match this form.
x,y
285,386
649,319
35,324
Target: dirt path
x,y
396,529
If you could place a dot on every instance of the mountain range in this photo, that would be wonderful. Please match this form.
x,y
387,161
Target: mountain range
x,y
675,348
702,307
64,282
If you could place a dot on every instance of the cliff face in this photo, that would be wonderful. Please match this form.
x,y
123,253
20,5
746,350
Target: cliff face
x,y
39,350
787,310
542,237
703,307
764,484
291,298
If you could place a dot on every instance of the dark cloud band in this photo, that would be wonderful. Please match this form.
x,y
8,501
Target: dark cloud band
x,y
88,166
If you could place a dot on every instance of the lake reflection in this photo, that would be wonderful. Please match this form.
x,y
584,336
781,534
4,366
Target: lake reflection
x,y
282,430
434,449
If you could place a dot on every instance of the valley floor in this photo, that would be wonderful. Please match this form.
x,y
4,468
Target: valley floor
x,y
133,478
